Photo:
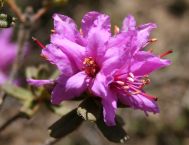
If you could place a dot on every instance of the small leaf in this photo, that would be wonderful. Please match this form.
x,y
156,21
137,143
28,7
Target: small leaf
x,y
89,110
31,72
57,109
55,74
65,125
113,133
30,107
17,92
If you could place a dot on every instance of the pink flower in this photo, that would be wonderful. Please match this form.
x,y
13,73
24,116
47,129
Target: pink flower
x,y
8,53
113,68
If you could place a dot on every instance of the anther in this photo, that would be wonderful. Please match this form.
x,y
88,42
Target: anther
x,y
81,31
131,75
116,29
90,67
130,79
125,87
152,40
120,83
53,31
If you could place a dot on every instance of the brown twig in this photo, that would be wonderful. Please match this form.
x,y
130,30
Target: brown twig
x,y
23,36
17,116
41,12
27,20
16,10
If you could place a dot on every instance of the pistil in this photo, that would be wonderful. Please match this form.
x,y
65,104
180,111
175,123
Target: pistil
x,y
38,43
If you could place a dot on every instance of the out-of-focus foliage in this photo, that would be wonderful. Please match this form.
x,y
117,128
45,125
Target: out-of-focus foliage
x,y
171,87
6,21
1,3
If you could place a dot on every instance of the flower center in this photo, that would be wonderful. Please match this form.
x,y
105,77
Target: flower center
x,y
90,67
132,85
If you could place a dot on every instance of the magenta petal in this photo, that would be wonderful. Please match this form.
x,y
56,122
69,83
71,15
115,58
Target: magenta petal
x,y
97,40
145,62
65,26
101,89
76,84
39,83
68,88
99,86
140,102
109,109
57,57
129,23
144,34
114,59
95,19
58,94
74,51
126,40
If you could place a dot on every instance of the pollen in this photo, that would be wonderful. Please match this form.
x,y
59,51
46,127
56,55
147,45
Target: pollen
x,y
90,67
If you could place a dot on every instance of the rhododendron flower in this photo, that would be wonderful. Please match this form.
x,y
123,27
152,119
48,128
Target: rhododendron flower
x,y
113,68
8,53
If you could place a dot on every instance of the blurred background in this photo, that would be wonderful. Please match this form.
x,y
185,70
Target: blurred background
x,y
171,85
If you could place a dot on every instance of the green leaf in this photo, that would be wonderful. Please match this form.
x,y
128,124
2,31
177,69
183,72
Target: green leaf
x,y
57,109
65,125
31,72
17,92
30,107
55,74
113,133
89,110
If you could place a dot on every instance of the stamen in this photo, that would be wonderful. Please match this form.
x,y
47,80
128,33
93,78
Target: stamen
x,y
166,53
149,96
120,83
81,31
131,75
116,29
38,42
53,31
136,91
125,87
130,79
90,67
152,40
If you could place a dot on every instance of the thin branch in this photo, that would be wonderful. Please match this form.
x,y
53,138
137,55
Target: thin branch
x,y
28,19
40,12
23,36
16,10
17,116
